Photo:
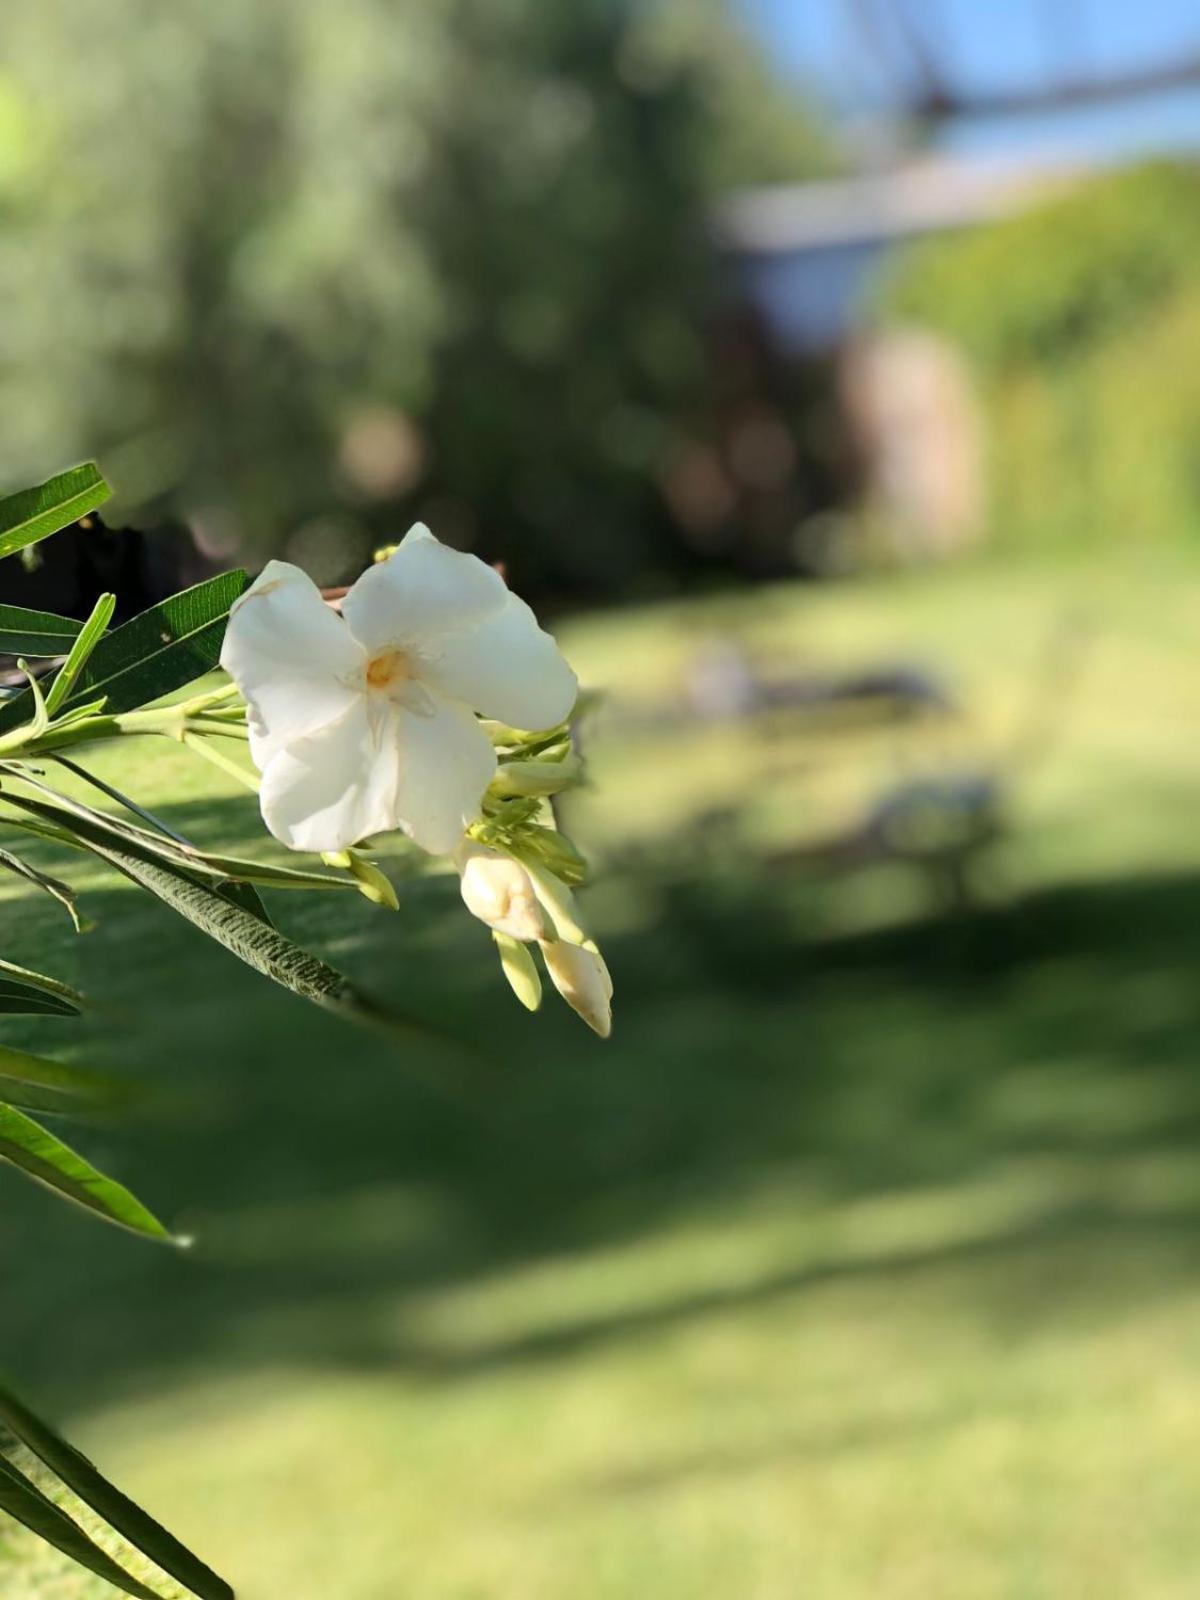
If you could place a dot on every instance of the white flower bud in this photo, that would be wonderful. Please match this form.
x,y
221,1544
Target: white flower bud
x,y
497,890
580,976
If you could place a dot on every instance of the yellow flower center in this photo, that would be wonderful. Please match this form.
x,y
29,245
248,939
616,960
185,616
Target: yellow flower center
x,y
387,668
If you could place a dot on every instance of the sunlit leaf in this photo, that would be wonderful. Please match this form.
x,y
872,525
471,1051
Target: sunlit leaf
x,y
155,653
34,514
36,1151
129,1520
89,637
164,648
37,1512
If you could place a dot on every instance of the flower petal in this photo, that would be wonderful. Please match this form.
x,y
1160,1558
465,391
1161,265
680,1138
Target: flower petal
x,y
423,589
505,667
327,791
446,762
293,659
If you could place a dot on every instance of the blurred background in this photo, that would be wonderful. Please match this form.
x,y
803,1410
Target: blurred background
x,y
828,373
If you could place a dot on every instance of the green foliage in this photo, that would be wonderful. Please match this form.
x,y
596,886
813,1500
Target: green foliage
x,y
164,649
1062,278
34,514
101,690
35,633
1077,317
36,1151
30,1504
25,1502
319,266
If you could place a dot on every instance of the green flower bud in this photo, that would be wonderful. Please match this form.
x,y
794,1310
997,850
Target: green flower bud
x,y
516,779
518,967
374,884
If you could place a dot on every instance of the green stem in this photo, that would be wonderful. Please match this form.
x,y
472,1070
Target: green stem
x,y
172,722
219,759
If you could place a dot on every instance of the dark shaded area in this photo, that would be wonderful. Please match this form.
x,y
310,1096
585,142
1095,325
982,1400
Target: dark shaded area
x,y
69,573
329,1175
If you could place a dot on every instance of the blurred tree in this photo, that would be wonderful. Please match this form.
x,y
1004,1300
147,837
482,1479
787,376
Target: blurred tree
x,y
1062,278
302,269
1077,316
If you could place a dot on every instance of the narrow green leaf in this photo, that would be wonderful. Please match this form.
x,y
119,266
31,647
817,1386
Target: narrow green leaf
x,y
36,1083
164,648
90,635
52,886
152,655
168,846
32,1148
245,872
22,999
37,1512
41,980
124,800
244,933
34,514
129,1520
178,879
35,633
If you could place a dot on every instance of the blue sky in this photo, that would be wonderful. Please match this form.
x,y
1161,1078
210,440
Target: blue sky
x,y
997,44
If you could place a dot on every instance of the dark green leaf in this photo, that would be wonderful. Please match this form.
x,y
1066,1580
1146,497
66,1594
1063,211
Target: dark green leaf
x,y
183,882
35,1083
34,514
241,892
244,895
140,1529
35,633
41,980
156,653
229,875
164,648
155,865
26,1144
243,932
22,999
36,1511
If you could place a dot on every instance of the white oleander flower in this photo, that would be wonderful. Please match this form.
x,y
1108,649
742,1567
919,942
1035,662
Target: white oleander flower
x,y
366,722
581,977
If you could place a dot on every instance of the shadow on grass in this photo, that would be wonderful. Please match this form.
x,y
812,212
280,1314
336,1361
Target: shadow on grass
x,y
332,1181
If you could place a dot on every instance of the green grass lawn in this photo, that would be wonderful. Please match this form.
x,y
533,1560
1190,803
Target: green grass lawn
x,y
863,1262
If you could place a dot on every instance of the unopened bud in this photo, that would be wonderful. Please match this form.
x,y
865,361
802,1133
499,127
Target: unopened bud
x,y
497,889
518,967
521,778
373,883
581,977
